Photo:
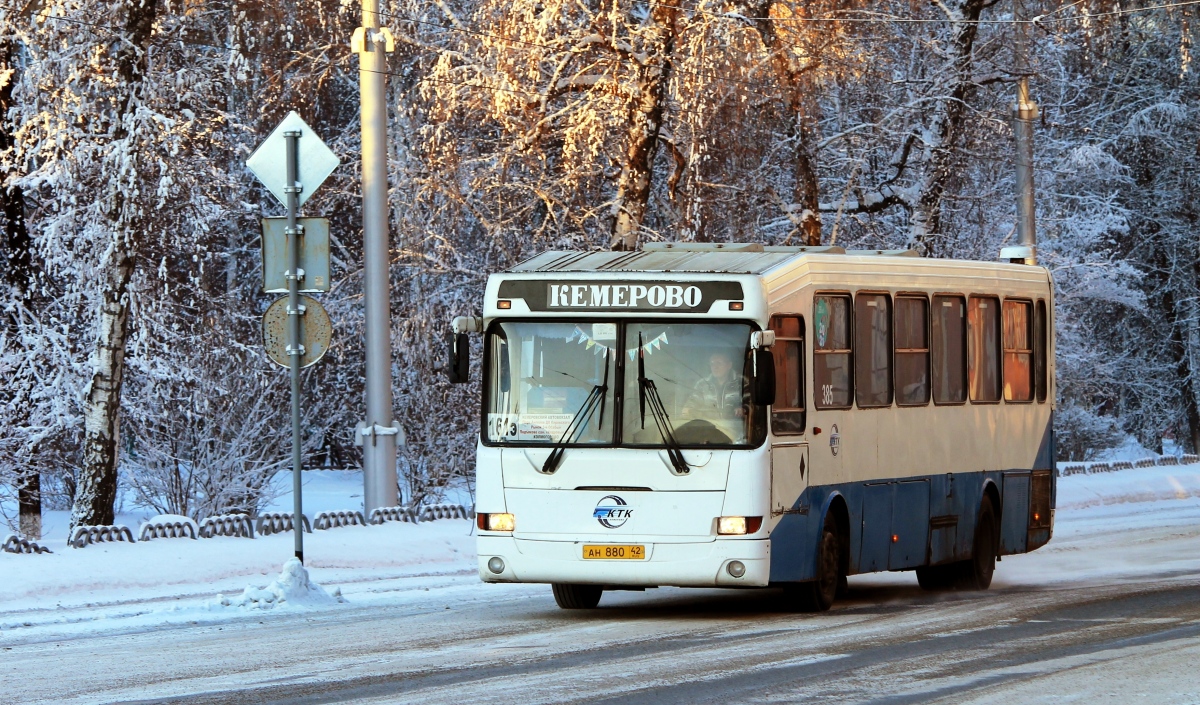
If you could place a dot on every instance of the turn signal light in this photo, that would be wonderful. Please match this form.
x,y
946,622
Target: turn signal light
x,y
735,526
495,522
737,305
895,538
504,303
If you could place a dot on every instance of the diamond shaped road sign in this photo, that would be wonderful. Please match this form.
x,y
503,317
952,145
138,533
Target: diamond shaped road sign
x,y
269,161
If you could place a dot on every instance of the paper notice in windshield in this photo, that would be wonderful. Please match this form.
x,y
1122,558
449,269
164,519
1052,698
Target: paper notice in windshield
x,y
604,331
528,428
543,427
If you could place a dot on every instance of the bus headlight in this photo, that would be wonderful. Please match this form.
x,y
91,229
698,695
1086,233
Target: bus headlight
x,y
496,522
735,526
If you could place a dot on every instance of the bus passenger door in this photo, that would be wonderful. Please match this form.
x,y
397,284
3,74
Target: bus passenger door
x,y
789,477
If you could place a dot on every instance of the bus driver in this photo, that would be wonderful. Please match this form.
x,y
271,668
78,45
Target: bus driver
x,y
720,395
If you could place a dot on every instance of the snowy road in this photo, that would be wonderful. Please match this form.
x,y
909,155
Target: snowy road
x,y
888,643
1050,631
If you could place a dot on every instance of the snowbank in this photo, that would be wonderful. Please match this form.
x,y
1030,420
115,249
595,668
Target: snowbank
x,y
291,589
1128,487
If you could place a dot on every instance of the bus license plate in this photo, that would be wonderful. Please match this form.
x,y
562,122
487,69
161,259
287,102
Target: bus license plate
x,y
612,552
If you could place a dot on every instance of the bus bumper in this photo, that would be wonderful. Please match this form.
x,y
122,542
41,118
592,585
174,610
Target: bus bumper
x,y
700,564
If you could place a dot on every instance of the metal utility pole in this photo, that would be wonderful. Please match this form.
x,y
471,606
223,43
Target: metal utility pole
x,y
1024,113
378,433
295,319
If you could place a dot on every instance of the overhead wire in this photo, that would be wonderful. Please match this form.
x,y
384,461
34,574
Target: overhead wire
x,y
511,40
291,52
890,19
116,32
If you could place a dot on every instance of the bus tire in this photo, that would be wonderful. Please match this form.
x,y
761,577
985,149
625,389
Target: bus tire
x,y
937,577
576,597
976,573
818,595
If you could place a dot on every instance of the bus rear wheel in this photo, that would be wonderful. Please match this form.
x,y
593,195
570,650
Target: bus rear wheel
x,y
576,597
938,577
976,573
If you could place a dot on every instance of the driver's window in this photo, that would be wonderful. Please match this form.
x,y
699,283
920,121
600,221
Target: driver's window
x,y
787,414
698,373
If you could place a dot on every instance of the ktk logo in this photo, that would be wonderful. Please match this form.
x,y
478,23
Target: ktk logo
x,y
612,512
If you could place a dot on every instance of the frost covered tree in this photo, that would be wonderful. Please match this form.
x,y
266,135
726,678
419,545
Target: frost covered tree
x,y
122,146
84,132
1148,125
129,343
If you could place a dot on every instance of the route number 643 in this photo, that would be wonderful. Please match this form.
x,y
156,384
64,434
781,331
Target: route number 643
x,y
502,426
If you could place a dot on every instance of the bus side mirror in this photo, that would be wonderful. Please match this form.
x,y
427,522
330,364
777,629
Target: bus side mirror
x,y
762,390
460,358
460,348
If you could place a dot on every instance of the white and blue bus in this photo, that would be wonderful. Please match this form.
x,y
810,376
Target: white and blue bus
x,y
745,416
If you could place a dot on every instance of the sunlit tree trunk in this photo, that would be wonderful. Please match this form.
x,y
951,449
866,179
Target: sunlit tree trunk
x,y
947,127
644,123
801,103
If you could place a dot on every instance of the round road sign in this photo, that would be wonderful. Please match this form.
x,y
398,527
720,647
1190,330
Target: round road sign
x,y
316,331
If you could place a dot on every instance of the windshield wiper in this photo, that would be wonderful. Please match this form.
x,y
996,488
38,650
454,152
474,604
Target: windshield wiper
x,y
648,391
595,399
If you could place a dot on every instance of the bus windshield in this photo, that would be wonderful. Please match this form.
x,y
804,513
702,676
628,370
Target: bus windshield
x,y
548,383
547,377
701,374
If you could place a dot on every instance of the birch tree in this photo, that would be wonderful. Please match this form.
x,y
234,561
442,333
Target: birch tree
x,y
112,135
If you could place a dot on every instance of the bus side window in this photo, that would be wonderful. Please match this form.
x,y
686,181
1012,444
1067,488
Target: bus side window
x,y
948,329
983,348
1040,351
787,414
832,357
912,351
873,347
1018,351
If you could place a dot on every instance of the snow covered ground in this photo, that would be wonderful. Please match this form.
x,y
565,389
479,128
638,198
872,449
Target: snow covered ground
x,y
122,586
1123,525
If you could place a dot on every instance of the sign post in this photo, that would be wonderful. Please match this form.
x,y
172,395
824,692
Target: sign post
x,y
294,348
287,184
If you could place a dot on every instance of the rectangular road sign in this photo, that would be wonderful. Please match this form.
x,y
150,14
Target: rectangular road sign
x,y
314,255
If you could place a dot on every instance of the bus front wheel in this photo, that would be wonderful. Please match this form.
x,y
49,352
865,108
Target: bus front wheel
x,y
818,595
976,573
576,597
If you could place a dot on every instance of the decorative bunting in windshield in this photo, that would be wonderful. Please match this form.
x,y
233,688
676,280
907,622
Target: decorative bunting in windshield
x,y
650,346
588,341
